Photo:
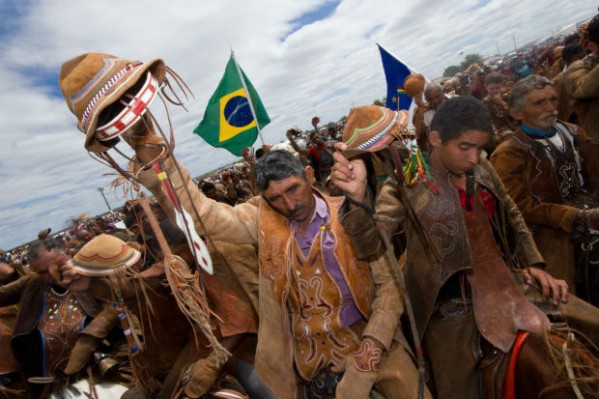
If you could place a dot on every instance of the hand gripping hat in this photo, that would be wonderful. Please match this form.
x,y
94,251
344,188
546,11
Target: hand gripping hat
x,y
371,128
105,255
92,82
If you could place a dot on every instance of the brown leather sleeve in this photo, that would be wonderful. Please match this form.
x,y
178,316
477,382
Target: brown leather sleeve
x,y
387,305
589,154
510,164
524,238
361,226
582,80
103,323
238,225
10,294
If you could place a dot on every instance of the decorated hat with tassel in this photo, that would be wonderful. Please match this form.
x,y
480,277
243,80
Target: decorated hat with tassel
x,y
371,128
92,83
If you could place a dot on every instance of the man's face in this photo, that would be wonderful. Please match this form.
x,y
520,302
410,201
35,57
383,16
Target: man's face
x,y
539,110
460,154
435,97
291,197
494,90
47,263
317,139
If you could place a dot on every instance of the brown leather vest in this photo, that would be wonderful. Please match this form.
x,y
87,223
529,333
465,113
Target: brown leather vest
x,y
274,237
500,308
315,303
556,179
441,218
60,326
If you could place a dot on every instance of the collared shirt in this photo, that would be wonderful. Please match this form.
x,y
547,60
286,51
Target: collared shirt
x,y
349,313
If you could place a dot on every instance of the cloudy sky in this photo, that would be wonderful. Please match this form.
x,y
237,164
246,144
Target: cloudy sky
x,y
305,58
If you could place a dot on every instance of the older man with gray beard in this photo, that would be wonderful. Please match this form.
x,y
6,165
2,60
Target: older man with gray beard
x,y
547,167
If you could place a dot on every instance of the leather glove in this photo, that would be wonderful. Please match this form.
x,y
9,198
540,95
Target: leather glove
x,y
82,353
201,376
361,369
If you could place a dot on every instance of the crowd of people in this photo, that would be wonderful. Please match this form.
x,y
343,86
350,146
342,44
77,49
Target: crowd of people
x,y
361,259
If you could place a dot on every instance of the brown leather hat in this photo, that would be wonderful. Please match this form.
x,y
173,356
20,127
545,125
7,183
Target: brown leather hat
x,y
92,82
371,128
104,255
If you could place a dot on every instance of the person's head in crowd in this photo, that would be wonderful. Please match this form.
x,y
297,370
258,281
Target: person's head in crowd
x,y
45,258
43,234
592,34
449,86
209,190
332,132
259,153
494,83
244,172
573,52
248,155
316,138
534,102
286,185
460,130
234,177
434,95
574,38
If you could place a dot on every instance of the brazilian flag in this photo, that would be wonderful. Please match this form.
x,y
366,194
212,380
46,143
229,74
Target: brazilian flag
x,y
228,121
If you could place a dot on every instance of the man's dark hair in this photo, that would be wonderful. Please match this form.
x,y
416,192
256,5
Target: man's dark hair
x,y
571,51
259,153
277,165
37,247
207,186
494,78
460,114
525,86
574,38
593,30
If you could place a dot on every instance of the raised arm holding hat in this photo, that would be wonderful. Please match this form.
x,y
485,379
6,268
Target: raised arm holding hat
x,y
361,304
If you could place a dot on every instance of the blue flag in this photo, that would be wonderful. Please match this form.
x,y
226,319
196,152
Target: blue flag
x,y
395,72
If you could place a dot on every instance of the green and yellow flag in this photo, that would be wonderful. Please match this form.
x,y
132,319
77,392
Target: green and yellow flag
x,y
230,121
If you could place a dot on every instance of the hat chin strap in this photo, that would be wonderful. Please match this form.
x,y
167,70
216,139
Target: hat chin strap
x,y
132,111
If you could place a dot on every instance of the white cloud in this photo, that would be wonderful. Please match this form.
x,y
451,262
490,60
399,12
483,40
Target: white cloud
x,y
48,177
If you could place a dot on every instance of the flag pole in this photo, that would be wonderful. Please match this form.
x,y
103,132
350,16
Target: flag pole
x,y
247,93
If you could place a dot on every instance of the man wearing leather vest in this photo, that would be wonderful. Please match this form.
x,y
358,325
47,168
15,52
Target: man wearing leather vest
x,y
461,229
549,167
52,321
325,317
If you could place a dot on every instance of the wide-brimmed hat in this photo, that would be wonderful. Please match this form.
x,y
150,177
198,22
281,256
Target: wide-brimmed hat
x,y
91,82
371,128
105,255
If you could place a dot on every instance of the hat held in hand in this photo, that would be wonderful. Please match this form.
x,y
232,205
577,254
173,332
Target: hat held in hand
x,y
371,128
414,84
93,85
105,255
